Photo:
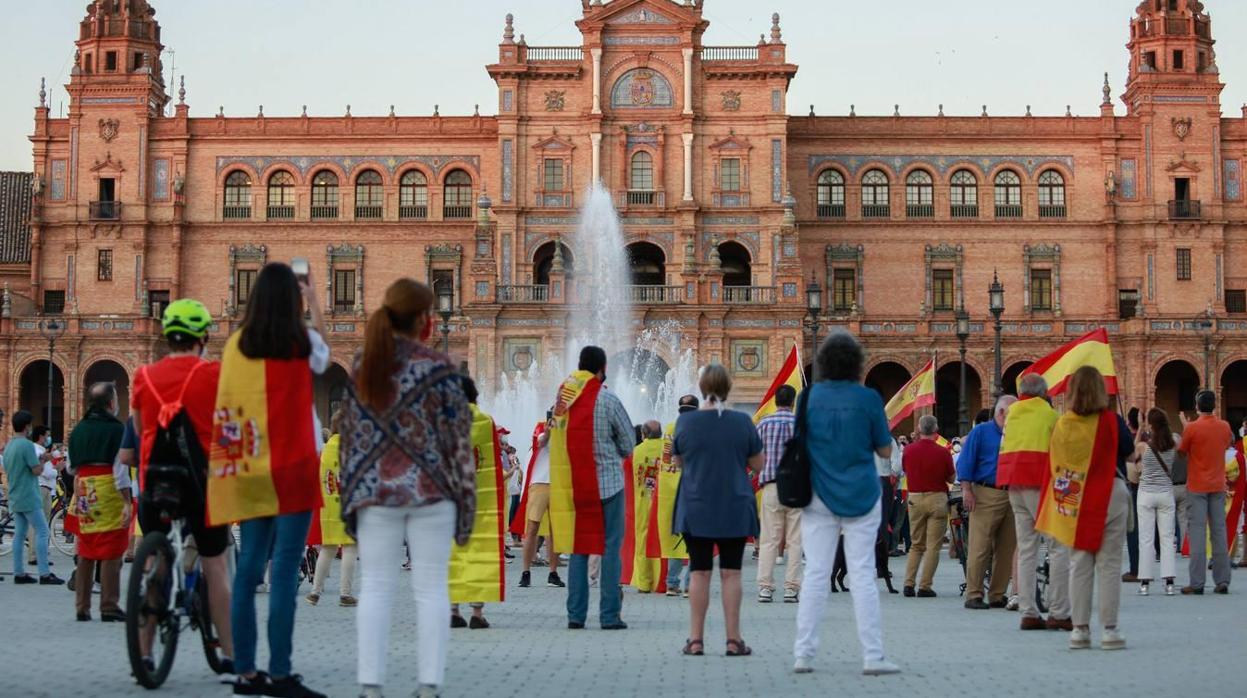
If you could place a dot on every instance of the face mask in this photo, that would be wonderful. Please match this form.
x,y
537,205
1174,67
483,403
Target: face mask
x,y
47,441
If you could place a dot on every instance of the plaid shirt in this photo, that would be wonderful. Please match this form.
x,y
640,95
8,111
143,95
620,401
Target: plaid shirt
x,y
775,431
613,440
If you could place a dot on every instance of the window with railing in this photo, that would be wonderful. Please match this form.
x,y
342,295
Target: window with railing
x,y
104,265
1184,264
343,290
919,195
875,193
1184,209
413,195
843,289
457,195
369,196
1041,289
831,194
1008,195
943,289
244,280
552,174
1236,301
281,196
53,302
963,194
1051,195
237,196
729,174
641,179
325,195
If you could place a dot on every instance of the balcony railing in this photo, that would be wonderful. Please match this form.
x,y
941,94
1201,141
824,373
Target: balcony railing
x,y
1184,210
233,213
876,211
831,210
964,211
1008,211
920,211
729,53
280,213
324,212
655,295
638,197
731,199
456,212
1051,211
368,212
408,213
555,53
749,295
523,294
105,210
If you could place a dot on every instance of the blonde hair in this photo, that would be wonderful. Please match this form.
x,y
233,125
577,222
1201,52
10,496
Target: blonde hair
x,y
715,383
1087,393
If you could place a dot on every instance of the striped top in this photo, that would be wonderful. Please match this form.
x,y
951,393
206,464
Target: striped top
x,y
1154,478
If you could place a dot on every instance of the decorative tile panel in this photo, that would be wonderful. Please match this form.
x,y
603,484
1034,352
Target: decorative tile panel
x,y
641,15
749,358
508,100
160,180
777,101
1233,180
520,353
642,88
349,163
941,163
1129,179
777,169
56,192
508,169
641,40
550,220
506,259
482,289
1080,328
1147,162
790,290
750,323
647,221
730,220
1180,99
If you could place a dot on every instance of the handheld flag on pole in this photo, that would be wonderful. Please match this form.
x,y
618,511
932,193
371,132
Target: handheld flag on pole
x,y
919,392
1090,350
789,374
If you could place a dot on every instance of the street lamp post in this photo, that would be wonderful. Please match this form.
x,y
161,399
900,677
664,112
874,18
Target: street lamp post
x,y
996,304
963,333
445,307
51,330
1205,326
814,305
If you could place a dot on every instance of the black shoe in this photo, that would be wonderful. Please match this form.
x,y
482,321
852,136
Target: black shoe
x,y
73,576
554,581
457,621
477,623
617,625
575,625
258,685
113,616
25,579
1222,589
525,579
926,594
291,687
998,603
33,563
50,579
976,605
84,617
909,592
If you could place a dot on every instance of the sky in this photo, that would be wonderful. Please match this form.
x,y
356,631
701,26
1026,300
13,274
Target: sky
x,y
415,54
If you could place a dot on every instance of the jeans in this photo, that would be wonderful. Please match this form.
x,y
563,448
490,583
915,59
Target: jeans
x,y
36,520
281,539
578,570
1207,513
1156,508
429,531
675,568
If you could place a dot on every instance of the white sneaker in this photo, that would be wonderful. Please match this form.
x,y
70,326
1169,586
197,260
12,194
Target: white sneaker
x,y
1013,603
791,596
1080,639
879,667
1143,590
1112,639
1169,589
765,595
779,560
803,665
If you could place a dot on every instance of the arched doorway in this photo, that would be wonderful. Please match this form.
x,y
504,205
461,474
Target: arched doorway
x,y
329,389
112,372
887,379
1009,379
647,264
34,396
735,264
948,396
543,262
1234,394
1176,385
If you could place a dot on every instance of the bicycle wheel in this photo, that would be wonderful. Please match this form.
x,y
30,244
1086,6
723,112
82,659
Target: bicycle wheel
x,y
203,618
6,531
1041,586
148,611
61,539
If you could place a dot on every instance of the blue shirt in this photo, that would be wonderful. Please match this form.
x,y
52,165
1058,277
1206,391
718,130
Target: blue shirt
x,y
19,458
846,425
979,453
715,499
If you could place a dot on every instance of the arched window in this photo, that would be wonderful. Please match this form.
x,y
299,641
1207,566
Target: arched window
x,y
237,195
875,191
919,195
369,196
281,196
457,195
734,262
413,195
641,179
543,263
831,194
647,265
964,194
1051,195
325,195
1008,195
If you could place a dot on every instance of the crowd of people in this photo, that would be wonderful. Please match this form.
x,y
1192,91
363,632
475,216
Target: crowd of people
x,y
412,474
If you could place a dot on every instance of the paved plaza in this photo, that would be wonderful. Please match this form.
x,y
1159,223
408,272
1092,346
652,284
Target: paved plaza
x,y
1177,646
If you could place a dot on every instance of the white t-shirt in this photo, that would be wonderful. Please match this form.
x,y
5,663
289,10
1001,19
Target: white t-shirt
x,y
47,478
318,360
515,485
541,467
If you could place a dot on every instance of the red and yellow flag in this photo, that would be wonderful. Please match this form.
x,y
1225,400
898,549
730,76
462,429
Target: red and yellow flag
x,y
519,522
642,468
789,374
919,392
1024,460
327,526
1074,505
576,520
662,543
263,458
1091,349
476,570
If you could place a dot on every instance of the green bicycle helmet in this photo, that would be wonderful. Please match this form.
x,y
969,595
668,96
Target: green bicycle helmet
x,y
186,316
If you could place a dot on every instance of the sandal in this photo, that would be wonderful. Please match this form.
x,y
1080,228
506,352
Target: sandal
x,y
738,648
693,648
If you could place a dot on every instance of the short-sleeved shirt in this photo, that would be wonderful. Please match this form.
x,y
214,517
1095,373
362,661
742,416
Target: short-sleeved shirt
x,y
980,454
846,425
166,378
928,466
19,458
129,439
1204,441
715,498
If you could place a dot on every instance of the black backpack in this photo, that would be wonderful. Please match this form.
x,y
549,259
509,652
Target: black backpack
x,y
177,467
793,485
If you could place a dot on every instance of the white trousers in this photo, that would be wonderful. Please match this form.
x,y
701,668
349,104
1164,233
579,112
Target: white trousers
x,y
381,531
820,534
1156,508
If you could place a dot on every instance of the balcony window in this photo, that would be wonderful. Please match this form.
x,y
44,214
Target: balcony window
x,y
244,279
53,302
1051,195
237,196
104,265
831,194
964,195
281,196
1236,301
875,193
943,290
919,195
413,195
457,195
1041,289
729,174
843,290
343,290
369,195
552,175
1008,195
325,195
1184,264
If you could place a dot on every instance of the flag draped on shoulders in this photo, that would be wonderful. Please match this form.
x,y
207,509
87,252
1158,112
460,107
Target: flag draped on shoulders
x,y
1024,448
476,573
577,523
1074,505
263,457
789,374
642,469
1091,349
919,392
660,541
327,526
519,522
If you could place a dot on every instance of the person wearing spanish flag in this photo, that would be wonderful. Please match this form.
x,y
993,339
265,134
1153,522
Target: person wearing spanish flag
x,y
592,434
645,462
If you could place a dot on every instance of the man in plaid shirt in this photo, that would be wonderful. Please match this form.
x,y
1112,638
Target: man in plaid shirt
x,y
779,523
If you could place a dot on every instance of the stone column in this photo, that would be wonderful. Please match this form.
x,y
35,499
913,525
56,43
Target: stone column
x,y
688,166
688,81
597,79
597,156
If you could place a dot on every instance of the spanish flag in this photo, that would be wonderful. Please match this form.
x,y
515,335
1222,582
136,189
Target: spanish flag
x,y
327,525
263,458
576,519
789,374
519,522
1074,505
919,392
476,569
642,470
661,542
1089,350
1023,460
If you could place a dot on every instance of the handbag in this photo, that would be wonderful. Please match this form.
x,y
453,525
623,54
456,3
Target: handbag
x,y
793,485
1176,473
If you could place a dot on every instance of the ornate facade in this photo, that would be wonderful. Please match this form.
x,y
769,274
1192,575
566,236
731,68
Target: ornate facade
x,y
732,208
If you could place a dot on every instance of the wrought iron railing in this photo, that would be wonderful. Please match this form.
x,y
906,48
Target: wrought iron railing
x,y
1052,211
1008,211
324,212
749,295
964,211
456,212
105,210
279,213
876,211
368,212
638,197
920,211
1184,209
831,210
413,212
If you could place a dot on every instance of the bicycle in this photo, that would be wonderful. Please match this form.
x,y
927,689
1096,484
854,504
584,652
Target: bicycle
x,y
6,525
1042,573
61,539
958,530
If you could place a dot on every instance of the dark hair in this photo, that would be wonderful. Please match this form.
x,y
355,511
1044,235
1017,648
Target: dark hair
x,y
592,359
273,327
1206,401
405,308
688,403
1162,436
182,342
1132,418
21,420
785,396
37,432
101,395
982,416
469,388
839,359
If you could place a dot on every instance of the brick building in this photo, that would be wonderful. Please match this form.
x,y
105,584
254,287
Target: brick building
x,y
732,208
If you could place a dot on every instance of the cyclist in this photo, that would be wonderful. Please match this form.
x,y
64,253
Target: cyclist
x,y
184,376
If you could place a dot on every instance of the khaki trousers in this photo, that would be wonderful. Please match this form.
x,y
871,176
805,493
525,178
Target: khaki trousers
x,y
992,541
928,520
1025,503
110,584
1102,568
779,523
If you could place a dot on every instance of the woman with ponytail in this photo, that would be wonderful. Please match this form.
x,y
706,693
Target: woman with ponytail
x,y
408,471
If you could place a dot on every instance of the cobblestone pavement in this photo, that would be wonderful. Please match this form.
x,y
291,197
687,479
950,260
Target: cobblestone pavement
x,y
1179,645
